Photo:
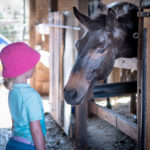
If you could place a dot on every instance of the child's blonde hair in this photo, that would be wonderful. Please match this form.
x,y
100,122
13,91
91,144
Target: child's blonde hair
x,y
8,83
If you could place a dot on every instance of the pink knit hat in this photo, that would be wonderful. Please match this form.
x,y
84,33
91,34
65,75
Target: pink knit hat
x,y
18,58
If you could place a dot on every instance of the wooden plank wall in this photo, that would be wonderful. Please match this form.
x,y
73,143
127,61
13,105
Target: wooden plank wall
x,y
56,73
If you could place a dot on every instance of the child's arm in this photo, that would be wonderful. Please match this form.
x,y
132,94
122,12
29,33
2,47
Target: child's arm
x,y
12,125
37,135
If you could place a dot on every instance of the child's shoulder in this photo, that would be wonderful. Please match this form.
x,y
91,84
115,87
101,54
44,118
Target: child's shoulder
x,y
30,96
25,90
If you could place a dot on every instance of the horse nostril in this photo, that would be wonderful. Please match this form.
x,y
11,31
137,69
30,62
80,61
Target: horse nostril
x,y
72,93
69,94
65,90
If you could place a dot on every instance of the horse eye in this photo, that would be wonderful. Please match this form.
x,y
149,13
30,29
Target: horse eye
x,y
100,50
94,70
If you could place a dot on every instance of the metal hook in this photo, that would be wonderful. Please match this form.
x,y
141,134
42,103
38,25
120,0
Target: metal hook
x,y
136,35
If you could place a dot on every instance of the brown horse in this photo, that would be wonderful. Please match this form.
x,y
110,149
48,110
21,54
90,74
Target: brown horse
x,y
108,36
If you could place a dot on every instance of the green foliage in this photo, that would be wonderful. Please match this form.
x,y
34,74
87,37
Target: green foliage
x,y
11,30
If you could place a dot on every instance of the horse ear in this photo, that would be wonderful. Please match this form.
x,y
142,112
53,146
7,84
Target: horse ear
x,y
111,17
103,8
111,13
84,20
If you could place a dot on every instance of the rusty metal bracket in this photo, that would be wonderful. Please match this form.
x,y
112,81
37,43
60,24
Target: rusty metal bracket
x,y
142,14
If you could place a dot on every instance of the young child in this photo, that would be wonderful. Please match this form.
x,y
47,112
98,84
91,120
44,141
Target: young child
x,y
19,61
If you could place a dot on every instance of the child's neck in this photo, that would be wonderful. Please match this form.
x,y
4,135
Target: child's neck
x,y
20,79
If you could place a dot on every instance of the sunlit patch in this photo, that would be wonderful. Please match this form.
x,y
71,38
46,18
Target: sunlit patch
x,y
113,101
123,100
101,103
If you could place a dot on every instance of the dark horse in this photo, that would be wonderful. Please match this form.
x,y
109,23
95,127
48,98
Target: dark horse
x,y
108,36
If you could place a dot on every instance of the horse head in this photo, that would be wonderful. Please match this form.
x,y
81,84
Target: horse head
x,y
107,36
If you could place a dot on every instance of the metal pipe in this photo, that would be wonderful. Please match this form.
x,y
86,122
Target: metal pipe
x,y
44,28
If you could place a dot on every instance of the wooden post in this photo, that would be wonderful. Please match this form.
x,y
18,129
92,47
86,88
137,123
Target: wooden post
x,y
139,83
32,30
56,73
147,130
81,125
32,23
81,110
53,5
133,104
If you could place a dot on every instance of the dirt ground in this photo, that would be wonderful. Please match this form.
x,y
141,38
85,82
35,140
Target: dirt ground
x,y
101,135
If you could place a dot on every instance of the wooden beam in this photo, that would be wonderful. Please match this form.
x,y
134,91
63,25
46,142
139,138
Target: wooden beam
x,y
118,121
126,63
136,2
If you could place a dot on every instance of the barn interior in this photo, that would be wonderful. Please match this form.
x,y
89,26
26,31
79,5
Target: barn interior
x,y
117,119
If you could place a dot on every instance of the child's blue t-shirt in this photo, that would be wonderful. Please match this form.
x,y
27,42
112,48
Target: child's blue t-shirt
x,y
25,105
